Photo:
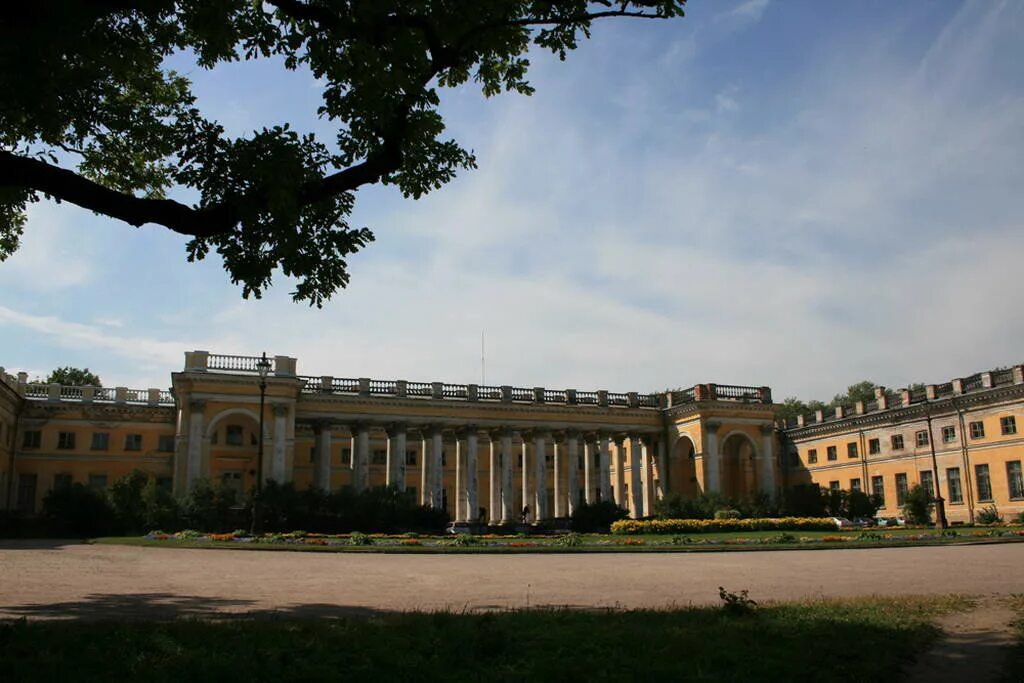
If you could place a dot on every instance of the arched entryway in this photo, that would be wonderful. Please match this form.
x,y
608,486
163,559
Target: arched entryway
x,y
739,465
682,473
233,440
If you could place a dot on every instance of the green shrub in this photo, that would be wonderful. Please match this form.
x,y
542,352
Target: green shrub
x,y
127,503
570,540
597,517
727,514
917,505
989,515
697,526
464,540
77,511
736,604
358,538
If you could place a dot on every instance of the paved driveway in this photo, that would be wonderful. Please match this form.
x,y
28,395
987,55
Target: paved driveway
x,y
69,580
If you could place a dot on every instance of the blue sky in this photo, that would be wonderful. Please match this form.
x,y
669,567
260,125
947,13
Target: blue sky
x,y
796,194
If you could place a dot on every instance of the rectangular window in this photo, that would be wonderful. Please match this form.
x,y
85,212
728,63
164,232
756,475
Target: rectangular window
x,y
984,483
851,449
133,442
812,455
98,481
977,430
956,492
874,446
61,480
1008,424
234,436
948,434
100,441
1015,479
928,483
878,490
897,442
921,437
165,443
66,440
831,453
901,488
380,457
833,485
410,457
31,439
855,484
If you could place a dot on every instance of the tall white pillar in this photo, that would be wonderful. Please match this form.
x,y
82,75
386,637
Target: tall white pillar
x,y
526,498
194,462
588,470
572,460
767,474
646,477
604,476
361,457
620,471
424,493
636,504
280,437
508,465
494,478
470,477
401,445
459,513
540,476
436,471
322,467
712,461
558,454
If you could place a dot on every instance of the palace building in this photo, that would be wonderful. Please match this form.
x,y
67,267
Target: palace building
x,y
483,453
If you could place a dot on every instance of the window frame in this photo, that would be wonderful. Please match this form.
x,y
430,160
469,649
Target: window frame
x,y
948,434
878,491
852,451
32,438
922,438
812,456
959,489
980,432
66,441
874,446
831,453
897,438
1008,425
1013,482
234,435
100,441
978,469
902,491
133,442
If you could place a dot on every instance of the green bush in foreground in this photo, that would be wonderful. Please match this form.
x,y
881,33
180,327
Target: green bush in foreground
x,y
863,640
697,526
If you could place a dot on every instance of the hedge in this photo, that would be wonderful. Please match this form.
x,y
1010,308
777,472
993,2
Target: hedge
x,y
700,526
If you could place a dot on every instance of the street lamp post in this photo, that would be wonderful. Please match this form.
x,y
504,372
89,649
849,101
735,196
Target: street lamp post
x,y
940,505
263,368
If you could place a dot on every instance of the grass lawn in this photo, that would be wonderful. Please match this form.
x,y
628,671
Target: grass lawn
x,y
865,639
702,542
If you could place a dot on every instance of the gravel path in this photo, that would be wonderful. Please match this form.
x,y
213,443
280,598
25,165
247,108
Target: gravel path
x,y
46,579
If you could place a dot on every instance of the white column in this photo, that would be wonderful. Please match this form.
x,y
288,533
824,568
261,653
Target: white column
x,y
525,498
280,436
472,512
540,476
459,514
402,446
636,487
507,476
494,479
395,467
712,464
604,476
572,460
768,461
558,457
194,463
588,471
322,478
620,472
361,456
646,477
436,470
662,469
424,493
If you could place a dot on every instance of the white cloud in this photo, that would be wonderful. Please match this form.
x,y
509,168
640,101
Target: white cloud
x,y
744,14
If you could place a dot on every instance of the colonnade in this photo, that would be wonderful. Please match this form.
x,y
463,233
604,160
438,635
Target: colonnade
x,y
579,461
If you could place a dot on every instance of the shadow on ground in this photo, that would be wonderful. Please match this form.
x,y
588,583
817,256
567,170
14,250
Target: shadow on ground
x,y
38,543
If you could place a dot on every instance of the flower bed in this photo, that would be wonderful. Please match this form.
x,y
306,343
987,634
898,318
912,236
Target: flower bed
x,y
703,526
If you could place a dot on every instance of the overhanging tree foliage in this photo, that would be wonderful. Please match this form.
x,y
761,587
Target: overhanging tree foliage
x,y
74,377
91,115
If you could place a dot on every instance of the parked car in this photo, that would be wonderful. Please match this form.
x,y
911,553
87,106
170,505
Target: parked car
x,y
864,521
843,523
890,521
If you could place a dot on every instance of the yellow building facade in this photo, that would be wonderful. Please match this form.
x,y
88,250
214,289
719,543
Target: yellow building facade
x,y
484,453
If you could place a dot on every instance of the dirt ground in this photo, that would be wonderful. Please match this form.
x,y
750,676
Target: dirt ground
x,y
47,579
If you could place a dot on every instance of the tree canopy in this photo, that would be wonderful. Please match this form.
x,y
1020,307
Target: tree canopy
x,y
92,115
73,377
